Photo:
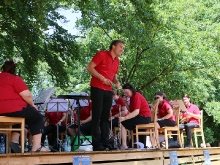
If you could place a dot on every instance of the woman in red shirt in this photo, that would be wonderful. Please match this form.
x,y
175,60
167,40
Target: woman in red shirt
x,y
17,101
165,112
139,113
115,112
85,122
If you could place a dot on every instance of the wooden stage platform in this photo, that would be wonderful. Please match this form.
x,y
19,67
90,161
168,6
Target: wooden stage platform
x,y
118,157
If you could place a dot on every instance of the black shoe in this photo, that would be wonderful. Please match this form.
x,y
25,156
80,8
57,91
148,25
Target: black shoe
x,y
15,147
187,146
100,148
109,146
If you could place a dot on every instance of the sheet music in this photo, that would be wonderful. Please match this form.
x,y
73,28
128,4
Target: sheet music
x,y
178,103
57,105
78,94
113,102
83,103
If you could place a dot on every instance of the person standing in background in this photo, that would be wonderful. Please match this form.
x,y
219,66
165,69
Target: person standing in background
x,y
103,68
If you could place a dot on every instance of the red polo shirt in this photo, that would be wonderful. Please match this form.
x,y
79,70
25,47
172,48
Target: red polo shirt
x,y
84,112
107,67
115,109
195,110
137,101
55,117
10,87
163,108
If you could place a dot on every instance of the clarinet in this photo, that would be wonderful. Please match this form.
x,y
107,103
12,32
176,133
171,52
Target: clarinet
x,y
111,132
119,129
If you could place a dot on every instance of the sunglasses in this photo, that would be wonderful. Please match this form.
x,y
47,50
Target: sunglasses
x,y
155,98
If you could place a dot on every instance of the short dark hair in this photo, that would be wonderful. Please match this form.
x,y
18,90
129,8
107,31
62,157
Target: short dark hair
x,y
129,86
185,95
161,94
115,43
115,92
9,66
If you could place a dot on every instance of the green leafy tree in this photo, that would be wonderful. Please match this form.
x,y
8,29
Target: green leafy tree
x,y
30,34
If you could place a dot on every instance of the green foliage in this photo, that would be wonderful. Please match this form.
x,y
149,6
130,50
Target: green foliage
x,y
165,49
29,33
171,46
212,109
209,136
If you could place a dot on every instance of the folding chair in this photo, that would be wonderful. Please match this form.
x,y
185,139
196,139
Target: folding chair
x,y
197,132
169,131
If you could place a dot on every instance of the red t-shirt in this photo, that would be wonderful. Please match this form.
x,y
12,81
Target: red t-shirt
x,y
55,117
195,110
137,101
107,67
163,108
84,112
10,87
115,109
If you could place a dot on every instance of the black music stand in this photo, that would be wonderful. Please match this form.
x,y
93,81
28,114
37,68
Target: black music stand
x,y
77,99
43,97
57,105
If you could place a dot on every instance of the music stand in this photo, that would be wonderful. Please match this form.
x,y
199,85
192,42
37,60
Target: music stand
x,y
178,103
43,97
77,99
57,105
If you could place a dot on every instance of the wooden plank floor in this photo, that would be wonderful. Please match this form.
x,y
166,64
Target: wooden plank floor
x,y
119,157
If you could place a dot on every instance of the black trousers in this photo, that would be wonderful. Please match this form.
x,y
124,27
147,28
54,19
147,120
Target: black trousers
x,y
52,129
85,129
131,123
101,105
187,128
114,123
33,119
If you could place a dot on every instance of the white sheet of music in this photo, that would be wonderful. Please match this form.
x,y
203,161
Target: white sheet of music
x,y
83,103
57,105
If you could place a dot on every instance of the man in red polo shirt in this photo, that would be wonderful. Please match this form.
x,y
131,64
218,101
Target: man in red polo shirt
x,y
103,68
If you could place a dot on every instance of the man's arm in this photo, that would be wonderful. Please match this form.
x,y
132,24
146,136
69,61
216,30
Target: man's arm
x,y
116,82
93,72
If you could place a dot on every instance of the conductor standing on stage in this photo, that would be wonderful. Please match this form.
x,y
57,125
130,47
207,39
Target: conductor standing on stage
x,y
103,68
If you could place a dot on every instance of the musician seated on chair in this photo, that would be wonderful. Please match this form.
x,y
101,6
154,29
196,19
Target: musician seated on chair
x,y
192,116
126,101
165,112
85,121
54,119
139,113
16,101
119,109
